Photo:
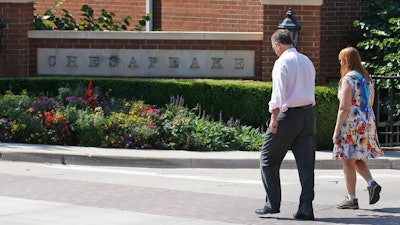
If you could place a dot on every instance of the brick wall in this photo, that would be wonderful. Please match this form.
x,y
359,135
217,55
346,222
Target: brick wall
x,y
14,44
325,31
172,15
308,43
212,15
324,28
337,22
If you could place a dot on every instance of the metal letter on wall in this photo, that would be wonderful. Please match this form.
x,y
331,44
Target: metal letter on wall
x,y
52,60
146,62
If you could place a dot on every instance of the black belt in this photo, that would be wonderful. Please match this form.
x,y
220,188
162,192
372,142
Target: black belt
x,y
301,107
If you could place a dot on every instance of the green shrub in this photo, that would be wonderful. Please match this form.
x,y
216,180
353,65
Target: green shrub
x,y
326,111
181,128
18,122
44,120
246,101
89,127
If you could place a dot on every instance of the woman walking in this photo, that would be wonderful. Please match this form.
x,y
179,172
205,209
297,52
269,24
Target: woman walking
x,y
355,136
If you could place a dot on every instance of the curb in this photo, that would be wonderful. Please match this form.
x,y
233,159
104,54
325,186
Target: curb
x,y
73,155
150,162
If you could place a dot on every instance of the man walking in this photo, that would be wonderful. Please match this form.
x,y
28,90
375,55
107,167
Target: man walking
x,y
291,126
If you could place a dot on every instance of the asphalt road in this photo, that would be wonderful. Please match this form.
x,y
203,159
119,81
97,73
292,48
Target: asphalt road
x,y
48,194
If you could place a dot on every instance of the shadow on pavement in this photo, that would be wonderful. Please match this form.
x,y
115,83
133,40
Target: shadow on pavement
x,y
388,210
367,219
364,218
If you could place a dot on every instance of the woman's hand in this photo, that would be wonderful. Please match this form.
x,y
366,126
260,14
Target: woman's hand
x,y
336,137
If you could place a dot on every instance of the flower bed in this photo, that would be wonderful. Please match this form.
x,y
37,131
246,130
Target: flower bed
x,y
88,117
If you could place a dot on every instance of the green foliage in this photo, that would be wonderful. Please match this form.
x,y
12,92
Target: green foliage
x,y
381,37
220,100
134,124
88,22
142,22
181,128
89,127
326,110
132,128
17,120
14,105
381,44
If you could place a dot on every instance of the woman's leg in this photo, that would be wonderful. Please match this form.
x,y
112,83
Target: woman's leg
x,y
373,188
363,170
350,176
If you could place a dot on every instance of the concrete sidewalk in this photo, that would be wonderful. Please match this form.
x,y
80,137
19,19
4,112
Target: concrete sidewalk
x,y
56,154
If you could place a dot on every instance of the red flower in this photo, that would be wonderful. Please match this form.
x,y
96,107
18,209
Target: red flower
x,y
48,119
150,110
89,96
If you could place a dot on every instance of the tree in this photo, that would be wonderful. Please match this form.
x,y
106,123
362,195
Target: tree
x,y
381,34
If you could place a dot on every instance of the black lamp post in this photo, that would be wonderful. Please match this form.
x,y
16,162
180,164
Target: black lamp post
x,y
291,24
2,25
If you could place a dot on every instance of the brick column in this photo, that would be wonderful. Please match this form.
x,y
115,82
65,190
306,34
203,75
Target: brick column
x,y
338,17
17,15
308,15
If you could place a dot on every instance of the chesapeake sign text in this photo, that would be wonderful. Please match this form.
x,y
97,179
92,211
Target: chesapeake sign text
x,y
146,62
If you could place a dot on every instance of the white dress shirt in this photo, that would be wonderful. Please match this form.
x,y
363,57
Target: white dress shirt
x,y
293,81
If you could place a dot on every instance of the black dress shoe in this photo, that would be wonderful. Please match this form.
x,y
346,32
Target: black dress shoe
x,y
301,216
267,210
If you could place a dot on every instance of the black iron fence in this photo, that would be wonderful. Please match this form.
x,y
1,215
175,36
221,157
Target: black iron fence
x,y
387,118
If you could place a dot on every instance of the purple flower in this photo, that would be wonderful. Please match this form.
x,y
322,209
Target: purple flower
x,y
74,99
47,101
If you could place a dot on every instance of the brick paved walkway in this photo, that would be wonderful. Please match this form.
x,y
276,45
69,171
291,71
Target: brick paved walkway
x,y
185,204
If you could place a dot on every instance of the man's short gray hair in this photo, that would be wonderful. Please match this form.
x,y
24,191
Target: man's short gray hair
x,y
282,36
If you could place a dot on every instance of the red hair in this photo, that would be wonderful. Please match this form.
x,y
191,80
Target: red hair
x,y
351,60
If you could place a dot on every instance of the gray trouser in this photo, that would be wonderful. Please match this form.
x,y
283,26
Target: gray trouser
x,y
296,131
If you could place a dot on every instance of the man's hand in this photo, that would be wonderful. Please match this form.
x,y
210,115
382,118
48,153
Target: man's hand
x,y
273,123
273,126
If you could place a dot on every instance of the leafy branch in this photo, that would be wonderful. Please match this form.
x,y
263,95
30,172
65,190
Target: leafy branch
x,y
88,21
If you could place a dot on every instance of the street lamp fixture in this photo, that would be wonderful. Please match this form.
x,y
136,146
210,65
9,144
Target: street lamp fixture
x,y
291,24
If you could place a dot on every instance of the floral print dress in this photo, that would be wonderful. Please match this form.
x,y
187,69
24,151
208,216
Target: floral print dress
x,y
358,139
